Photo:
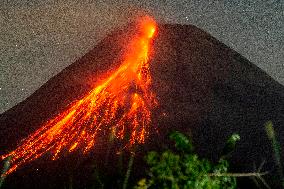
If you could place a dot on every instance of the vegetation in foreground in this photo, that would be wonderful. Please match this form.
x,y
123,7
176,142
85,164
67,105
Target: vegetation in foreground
x,y
184,169
181,168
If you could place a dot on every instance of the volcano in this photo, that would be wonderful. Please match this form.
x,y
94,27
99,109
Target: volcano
x,y
203,88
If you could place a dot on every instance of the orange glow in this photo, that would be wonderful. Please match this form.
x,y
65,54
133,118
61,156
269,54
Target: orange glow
x,y
120,105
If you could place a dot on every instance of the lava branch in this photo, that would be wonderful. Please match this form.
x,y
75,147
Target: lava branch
x,y
120,104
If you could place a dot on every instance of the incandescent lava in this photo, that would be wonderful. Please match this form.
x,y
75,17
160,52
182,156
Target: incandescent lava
x,y
120,104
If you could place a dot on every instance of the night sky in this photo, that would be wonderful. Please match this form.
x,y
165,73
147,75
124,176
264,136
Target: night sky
x,y
38,39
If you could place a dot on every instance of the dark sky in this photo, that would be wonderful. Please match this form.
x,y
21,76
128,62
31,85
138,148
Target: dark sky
x,y
38,39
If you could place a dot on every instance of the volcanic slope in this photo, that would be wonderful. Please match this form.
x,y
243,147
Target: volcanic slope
x,y
203,88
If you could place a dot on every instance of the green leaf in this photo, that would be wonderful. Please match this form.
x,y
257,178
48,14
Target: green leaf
x,y
181,142
230,144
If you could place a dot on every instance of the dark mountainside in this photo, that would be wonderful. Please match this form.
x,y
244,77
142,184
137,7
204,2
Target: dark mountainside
x,y
204,88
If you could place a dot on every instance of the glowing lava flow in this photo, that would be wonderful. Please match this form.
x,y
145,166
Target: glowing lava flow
x,y
121,104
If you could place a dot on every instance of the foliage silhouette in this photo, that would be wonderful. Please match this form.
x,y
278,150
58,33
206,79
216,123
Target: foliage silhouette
x,y
184,169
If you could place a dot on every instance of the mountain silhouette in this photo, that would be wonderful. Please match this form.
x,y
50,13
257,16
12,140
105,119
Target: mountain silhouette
x,y
203,87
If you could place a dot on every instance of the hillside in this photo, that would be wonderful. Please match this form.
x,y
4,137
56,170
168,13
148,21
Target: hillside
x,y
204,88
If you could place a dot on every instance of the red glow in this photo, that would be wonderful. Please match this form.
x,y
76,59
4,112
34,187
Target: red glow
x,y
126,90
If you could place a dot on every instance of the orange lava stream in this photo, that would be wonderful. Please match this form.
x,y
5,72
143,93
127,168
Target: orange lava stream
x,y
121,104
